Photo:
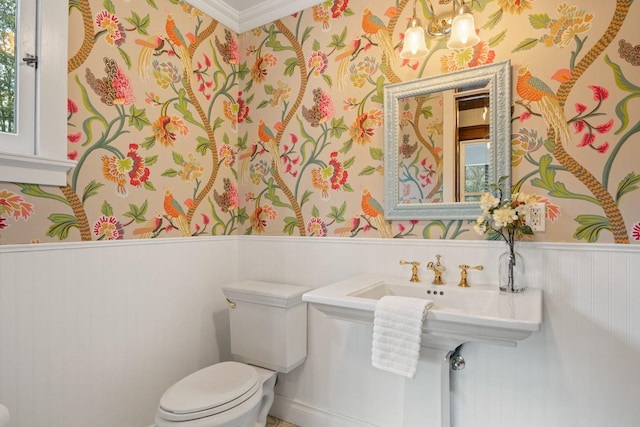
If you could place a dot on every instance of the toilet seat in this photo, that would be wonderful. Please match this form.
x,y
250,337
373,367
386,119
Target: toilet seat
x,y
209,391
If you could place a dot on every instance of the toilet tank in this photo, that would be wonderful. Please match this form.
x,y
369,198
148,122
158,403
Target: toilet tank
x,y
268,323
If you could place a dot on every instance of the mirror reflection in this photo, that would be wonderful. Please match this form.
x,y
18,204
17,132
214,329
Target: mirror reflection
x,y
444,127
447,139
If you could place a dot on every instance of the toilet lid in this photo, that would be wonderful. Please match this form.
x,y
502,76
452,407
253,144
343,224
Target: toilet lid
x,y
211,387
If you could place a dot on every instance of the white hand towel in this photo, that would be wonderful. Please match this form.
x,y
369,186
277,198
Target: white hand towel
x,y
397,329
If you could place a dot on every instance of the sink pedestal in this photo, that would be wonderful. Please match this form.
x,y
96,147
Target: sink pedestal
x,y
434,408
481,314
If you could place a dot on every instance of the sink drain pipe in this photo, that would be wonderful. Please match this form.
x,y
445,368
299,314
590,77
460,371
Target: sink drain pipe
x,y
456,361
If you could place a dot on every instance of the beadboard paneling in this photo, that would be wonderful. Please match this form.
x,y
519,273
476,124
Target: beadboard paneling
x,y
581,369
92,334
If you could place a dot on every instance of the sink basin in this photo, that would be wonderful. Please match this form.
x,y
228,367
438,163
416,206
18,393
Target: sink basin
x,y
458,315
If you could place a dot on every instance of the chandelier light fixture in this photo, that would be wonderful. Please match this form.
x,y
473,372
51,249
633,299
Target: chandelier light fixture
x,y
458,25
415,43
463,29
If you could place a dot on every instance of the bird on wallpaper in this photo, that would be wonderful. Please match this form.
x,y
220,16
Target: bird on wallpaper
x,y
149,46
151,228
265,134
175,213
372,208
373,26
245,161
180,43
344,59
532,89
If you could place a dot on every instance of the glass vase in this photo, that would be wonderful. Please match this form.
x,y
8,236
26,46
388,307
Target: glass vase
x,y
511,271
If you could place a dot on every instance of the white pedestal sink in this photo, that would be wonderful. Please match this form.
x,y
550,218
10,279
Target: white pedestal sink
x,y
479,314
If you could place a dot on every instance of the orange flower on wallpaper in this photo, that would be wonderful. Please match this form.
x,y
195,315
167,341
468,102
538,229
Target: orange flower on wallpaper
x,y
131,169
115,88
279,93
480,54
14,205
167,128
514,7
364,127
322,15
259,70
562,31
191,168
113,31
329,9
260,216
334,176
320,182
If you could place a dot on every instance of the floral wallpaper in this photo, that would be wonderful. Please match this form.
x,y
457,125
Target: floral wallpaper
x,y
182,128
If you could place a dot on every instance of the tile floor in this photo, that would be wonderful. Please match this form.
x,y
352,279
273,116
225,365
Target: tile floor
x,y
274,422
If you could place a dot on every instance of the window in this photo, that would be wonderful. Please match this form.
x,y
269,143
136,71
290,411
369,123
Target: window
x,y
33,143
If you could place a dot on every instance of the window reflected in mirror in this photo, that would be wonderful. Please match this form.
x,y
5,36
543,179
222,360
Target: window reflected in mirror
x,y
473,145
8,66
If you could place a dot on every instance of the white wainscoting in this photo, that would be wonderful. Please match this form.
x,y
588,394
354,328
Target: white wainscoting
x,y
91,334
582,369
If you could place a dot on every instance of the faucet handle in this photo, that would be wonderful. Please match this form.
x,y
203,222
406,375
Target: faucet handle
x,y
463,274
414,269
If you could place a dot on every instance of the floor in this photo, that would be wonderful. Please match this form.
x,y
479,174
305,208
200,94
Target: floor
x,y
274,422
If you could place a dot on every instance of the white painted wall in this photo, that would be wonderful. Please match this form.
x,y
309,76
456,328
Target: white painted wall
x,y
79,352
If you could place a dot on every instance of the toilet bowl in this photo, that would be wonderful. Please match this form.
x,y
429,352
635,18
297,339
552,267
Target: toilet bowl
x,y
268,335
227,394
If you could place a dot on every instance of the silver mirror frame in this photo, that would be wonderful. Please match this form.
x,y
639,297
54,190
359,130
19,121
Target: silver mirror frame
x,y
498,78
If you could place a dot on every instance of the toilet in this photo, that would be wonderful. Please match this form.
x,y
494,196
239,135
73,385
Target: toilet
x,y
268,330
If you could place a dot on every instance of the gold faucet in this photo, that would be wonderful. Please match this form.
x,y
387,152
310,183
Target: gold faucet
x,y
463,274
414,269
438,269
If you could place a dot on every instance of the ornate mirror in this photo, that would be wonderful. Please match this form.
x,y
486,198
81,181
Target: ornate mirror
x,y
447,138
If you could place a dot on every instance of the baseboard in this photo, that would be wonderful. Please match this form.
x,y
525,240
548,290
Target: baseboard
x,y
304,415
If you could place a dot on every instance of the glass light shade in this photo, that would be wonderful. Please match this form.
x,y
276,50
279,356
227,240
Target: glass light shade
x,y
463,32
415,44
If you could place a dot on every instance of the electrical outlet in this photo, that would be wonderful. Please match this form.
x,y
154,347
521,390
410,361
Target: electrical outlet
x,y
537,216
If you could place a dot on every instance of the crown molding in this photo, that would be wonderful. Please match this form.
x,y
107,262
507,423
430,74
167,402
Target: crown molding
x,y
261,13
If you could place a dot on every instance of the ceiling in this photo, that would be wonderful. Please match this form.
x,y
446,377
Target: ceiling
x,y
245,15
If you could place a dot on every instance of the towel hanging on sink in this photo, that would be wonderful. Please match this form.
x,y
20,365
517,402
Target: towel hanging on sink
x,y
397,330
